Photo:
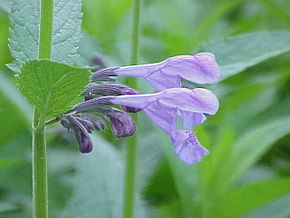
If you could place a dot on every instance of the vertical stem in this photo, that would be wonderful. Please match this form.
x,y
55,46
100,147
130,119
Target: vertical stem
x,y
39,164
39,169
130,173
46,24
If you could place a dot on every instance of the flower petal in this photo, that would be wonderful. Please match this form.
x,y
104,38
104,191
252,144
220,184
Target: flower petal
x,y
189,119
200,68
162,116
187,147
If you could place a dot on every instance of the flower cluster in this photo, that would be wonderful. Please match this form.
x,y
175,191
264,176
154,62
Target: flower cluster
x,y
170,103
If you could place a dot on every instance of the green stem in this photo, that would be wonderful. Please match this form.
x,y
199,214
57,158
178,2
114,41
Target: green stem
x,y
131,162
39,169
46,24
39,164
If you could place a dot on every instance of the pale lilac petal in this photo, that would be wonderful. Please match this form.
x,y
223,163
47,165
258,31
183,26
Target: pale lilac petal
x,y
162,116
197,100
200,68
187,147
189,119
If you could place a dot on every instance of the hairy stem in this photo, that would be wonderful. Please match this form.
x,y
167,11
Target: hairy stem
x,y
39,169
39,164
131,162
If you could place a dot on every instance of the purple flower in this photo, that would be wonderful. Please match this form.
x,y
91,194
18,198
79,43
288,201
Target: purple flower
x,y
200,68
163,108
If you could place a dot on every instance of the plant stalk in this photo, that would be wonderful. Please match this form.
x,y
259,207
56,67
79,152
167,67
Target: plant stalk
x,y
131,158
39,155
39,169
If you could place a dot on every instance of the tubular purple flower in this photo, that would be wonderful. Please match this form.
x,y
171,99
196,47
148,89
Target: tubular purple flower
x,y
164,107
200,68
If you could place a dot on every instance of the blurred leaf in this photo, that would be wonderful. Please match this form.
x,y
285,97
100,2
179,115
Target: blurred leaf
x,y
149,151
25,25
12,120
11,92
278,208
250,147
235,54
97,184
213,17
52,87
101,19
7,207
6,163
87,49
246,198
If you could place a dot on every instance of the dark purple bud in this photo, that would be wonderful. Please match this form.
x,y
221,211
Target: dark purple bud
x,y
106,74
98,123
105,89
94,105
98,60
122,124
87,124
81,134
85,142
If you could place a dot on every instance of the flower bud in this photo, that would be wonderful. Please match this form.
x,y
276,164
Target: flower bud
x,y
93,105
98,123
81,134
122,124
106,74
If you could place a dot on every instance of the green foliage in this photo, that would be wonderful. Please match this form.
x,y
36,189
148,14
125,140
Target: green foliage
x,y
52,87
250,147
245,198
95,186
25,25
235,54
249,132
278,208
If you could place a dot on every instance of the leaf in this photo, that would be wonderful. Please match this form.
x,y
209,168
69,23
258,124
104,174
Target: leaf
x,y
66,30
278,208
97,184
235,54
25,25
10,91
52,87
7,207
250,147
12,120
246,198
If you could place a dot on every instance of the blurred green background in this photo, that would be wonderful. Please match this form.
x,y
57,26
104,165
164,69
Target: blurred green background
x,y
247,173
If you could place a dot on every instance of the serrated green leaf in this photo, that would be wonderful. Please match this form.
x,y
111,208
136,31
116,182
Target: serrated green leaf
x,y
235,54
246,198
66,30
52,87
24,30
